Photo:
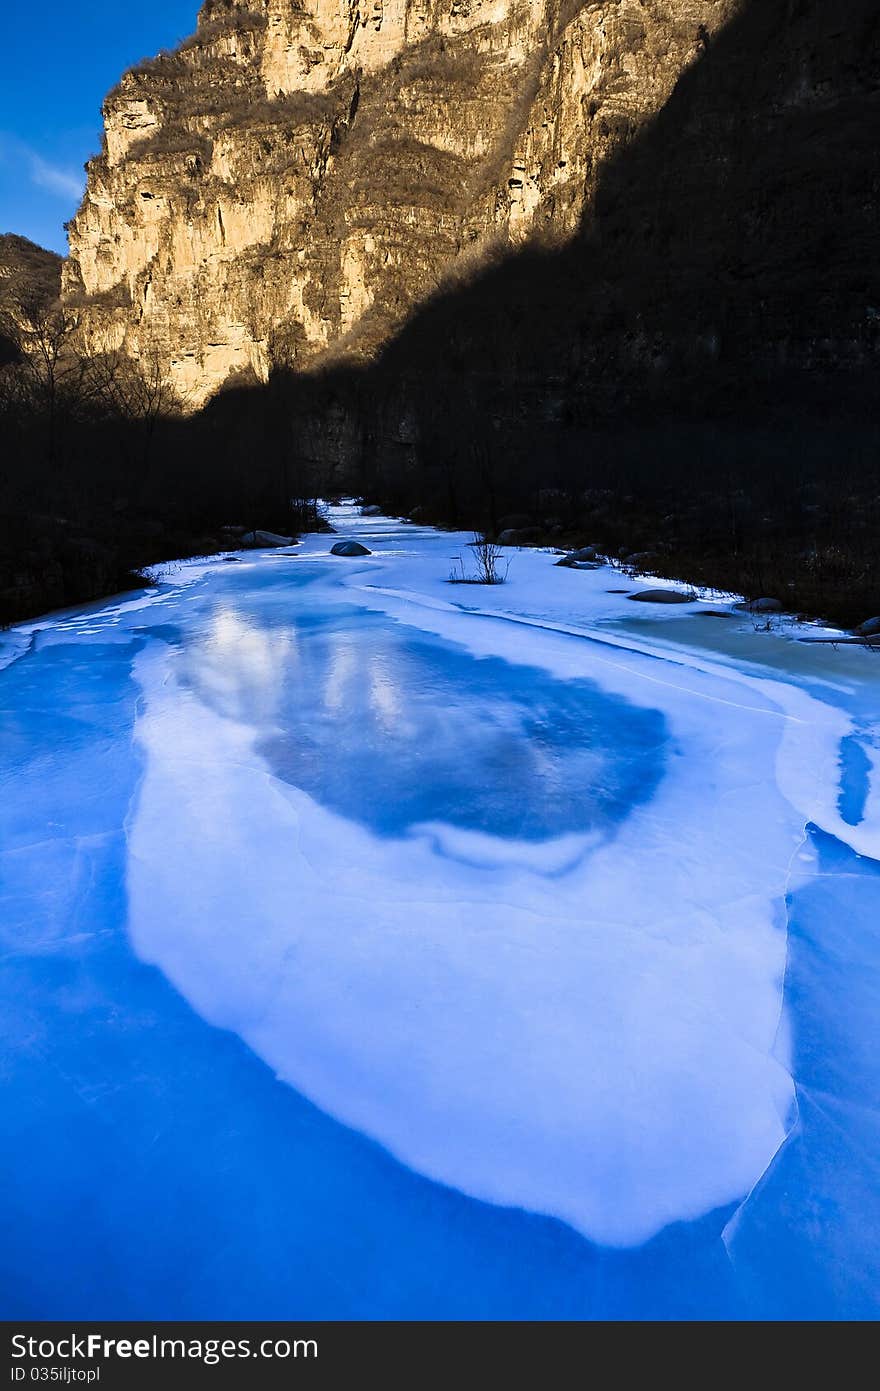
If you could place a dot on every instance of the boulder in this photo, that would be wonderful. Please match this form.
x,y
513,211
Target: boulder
x,y
585,553
514,522
371,511
349,548
253,539
764,606
569,563
518,536
661,596
416,514
640,559
869,629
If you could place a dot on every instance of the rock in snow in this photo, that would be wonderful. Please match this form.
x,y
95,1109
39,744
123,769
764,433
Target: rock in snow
x,y
764,606
371,511
253,539
661,596
349,548
869,628
512,536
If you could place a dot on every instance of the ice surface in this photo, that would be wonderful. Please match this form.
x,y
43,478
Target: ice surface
x,y
553,1042
500,879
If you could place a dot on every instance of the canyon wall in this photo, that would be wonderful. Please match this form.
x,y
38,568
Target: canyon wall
x,y
294,180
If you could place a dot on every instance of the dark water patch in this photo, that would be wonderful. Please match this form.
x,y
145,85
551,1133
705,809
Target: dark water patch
x,y
393,728
855,780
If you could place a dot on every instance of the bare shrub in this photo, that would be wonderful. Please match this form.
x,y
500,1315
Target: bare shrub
x,y
487,557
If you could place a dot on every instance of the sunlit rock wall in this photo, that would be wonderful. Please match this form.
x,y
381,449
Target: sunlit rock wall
x,y
292,181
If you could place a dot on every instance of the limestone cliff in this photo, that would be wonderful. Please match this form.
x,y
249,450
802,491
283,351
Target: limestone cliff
x,y
295,178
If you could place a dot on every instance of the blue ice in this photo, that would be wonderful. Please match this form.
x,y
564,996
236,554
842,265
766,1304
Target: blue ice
x,y
153,1166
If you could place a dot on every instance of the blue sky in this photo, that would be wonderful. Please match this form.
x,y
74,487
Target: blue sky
x,y
56,63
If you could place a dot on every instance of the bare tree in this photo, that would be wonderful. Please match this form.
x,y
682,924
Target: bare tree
x,y
136,390
43,331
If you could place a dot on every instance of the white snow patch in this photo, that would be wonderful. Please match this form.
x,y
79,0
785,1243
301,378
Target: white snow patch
x,y
594,1041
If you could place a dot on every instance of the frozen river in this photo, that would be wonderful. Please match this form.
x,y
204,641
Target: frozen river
x,y
374,947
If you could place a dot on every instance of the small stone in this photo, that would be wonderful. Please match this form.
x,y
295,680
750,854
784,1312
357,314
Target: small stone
x,y
252,539
764,606
661,596
513,536
349,548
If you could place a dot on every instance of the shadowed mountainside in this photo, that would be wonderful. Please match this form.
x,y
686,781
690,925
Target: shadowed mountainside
x,y
705,350
29,275
728,271
24,264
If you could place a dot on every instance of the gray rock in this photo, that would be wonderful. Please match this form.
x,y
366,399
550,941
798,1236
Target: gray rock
x,y
349,548
514,522
253,539
585,553
568,562
764,606
371,511
868,629
661,596
518,536
640,559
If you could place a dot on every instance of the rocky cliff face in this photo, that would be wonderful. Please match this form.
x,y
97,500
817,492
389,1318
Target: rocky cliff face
x,y
296,178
